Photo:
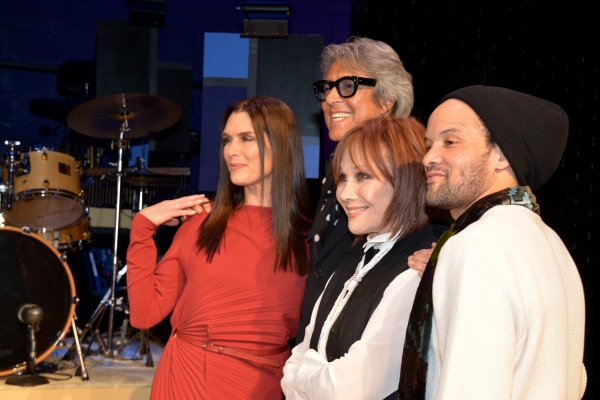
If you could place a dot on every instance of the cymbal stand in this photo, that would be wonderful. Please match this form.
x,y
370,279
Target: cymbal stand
x,y
109,301
121,145
95,319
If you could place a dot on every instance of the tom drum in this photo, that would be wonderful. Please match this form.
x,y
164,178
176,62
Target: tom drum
x,y
46,191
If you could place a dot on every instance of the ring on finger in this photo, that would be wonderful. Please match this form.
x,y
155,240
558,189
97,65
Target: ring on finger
x,y
177,206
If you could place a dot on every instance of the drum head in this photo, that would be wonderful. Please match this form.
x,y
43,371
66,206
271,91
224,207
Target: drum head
x,y
31,272
45,212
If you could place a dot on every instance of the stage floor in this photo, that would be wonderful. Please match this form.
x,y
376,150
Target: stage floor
x,y
109,378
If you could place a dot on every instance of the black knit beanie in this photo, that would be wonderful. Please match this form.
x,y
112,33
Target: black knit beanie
x,y
531,132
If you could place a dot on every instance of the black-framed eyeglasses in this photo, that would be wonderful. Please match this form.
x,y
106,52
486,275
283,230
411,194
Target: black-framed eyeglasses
x,y
346,86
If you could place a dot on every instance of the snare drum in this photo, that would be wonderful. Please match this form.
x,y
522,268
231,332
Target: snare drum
x,y
32,272
69,239
47,191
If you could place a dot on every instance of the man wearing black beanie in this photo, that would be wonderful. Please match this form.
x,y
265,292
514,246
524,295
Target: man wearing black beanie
x,y
504,316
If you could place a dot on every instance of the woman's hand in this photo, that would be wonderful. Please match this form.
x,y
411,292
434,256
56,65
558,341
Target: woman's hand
x,y
168,211
418,261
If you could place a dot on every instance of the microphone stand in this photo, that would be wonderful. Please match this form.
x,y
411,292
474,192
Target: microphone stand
x,y
31,315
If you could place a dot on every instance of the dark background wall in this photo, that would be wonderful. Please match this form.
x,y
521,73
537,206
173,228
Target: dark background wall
x,y
38,35
548,49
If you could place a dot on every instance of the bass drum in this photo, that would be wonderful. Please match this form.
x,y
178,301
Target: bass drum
x,y
31,272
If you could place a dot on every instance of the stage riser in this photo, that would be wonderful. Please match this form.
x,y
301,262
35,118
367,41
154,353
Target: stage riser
x,y
39,393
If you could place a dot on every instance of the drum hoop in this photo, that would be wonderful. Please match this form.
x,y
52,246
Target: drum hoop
x,y
62,193
73,294
51,192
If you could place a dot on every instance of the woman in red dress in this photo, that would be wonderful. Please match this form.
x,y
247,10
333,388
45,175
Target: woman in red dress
x,y
234,279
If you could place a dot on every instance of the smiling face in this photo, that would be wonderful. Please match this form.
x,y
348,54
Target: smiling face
x,y
461,166
364,197
340,113
242,156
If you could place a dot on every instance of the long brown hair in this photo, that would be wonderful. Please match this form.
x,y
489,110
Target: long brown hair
x,y
289,195
392,148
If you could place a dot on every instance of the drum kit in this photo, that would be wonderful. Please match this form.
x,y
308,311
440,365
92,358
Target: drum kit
x,y
42,191
43,217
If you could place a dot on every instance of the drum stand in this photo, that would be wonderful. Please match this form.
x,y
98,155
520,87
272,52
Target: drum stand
x,y
121,145
93,324
138,114
109,301
81,370
145,336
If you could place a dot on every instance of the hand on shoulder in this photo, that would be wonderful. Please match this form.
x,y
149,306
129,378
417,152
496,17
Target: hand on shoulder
x,y
418,261
168,212
203,207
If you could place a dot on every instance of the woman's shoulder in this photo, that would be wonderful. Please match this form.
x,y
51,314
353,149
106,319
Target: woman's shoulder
x,y
193,222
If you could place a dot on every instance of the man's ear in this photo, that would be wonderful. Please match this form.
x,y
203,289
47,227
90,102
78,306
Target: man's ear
x,y
501,160
386,106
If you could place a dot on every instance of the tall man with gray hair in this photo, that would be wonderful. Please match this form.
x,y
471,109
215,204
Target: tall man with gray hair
x,y
504,316
362,79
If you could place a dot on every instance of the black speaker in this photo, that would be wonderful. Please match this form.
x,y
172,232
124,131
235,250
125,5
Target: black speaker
x,y
126,63
174,81
123,58
286,70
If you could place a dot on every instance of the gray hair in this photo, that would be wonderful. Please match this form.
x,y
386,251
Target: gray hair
x,y
377,60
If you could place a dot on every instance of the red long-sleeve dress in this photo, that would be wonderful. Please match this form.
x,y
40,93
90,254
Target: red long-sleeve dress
x,y
237,300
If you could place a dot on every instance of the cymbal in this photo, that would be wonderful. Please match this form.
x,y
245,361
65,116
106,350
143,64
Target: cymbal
x,y
103,117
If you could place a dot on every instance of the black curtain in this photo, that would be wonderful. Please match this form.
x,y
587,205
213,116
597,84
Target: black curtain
x,y
548,49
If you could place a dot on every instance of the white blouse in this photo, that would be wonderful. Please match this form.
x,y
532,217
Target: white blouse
x,y
371,368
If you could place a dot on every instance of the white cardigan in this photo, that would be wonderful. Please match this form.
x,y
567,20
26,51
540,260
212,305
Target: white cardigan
x,y
509,313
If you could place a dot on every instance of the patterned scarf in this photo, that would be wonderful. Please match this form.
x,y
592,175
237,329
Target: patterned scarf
x,y
413,376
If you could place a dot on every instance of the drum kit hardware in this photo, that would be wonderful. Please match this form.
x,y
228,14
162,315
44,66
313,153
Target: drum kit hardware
x,y
140,178
43,217
33,272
